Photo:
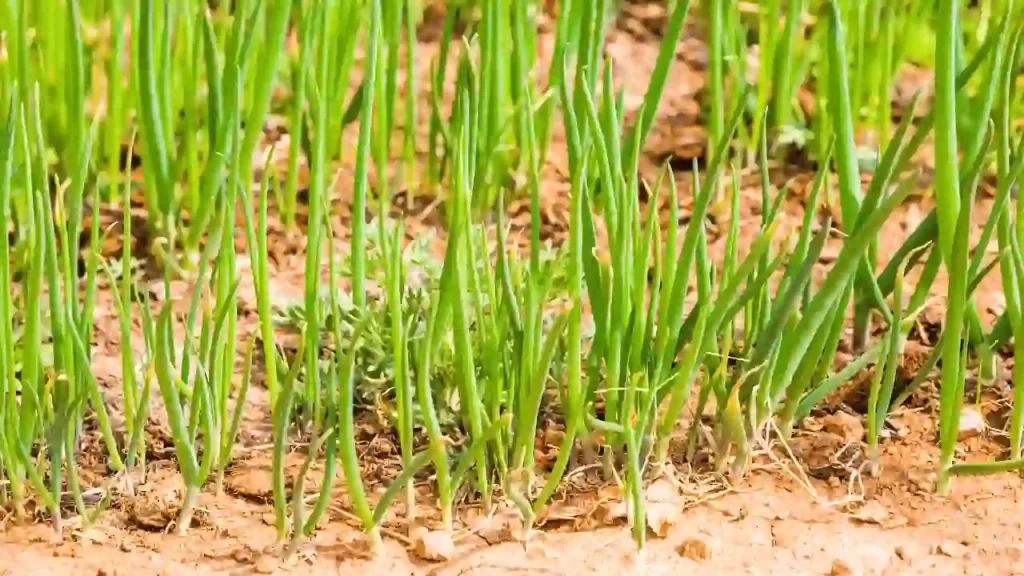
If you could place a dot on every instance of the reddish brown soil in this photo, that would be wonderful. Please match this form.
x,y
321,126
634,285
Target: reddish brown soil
x,y
776,522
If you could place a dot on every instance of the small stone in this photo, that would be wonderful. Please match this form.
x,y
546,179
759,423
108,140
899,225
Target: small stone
x,y
846,426
126,546
972,424
265,564
694,549
953,549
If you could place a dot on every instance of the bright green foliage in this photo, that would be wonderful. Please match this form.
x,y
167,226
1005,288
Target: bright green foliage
x,y
627,326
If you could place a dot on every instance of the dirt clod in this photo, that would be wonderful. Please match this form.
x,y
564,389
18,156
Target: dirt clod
x,y
873,512
845,425
250,481
265,564
695,549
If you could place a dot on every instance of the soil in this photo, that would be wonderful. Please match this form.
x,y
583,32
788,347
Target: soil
x,y
812,507
778,521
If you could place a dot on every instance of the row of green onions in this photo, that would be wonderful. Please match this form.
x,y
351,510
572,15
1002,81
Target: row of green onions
x,y
612,334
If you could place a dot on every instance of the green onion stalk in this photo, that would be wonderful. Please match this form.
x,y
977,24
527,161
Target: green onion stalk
x,y
767,38
13,467
716,68
952,240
